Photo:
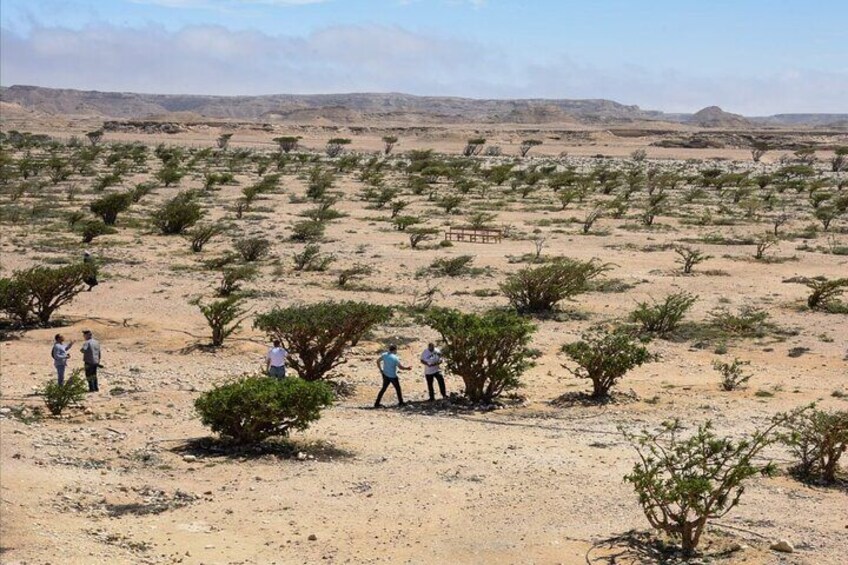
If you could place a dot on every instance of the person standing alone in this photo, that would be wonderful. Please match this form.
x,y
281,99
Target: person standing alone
x,y
431,358
275,361
389,363
91,359
60,356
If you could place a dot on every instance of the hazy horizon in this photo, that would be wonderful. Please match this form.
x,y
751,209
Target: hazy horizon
x,y
750,57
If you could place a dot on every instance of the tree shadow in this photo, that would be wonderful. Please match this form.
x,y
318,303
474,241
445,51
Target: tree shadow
x,y
638,547
215,448
586,399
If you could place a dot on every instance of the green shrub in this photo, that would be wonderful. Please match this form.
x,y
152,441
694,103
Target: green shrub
x,y
311,259
824,293
682,483
732,374
318,335
223,316
308,230
169,174
232,277
58,397
199,236
748,321
450,267
178,214
94,228
254,408
14,300
252,249
663,317
489,351
689,257
108,207
420,234
335,146
358,271
604,357
41,291
817,439
538,290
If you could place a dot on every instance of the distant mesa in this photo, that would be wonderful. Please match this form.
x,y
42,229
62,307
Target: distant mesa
x,y
715,117
369,108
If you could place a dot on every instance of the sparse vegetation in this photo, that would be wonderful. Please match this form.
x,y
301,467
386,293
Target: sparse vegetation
x,y
684,482
538,290
57,396
604,357
489,351
662,318
252,409
318,335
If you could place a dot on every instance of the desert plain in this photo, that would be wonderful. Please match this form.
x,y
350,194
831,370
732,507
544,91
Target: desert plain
x,y
131,475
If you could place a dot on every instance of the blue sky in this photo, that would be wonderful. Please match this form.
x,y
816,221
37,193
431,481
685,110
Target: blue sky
x,y
749,56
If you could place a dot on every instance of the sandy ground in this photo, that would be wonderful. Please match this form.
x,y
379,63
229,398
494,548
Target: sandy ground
x,y
122,481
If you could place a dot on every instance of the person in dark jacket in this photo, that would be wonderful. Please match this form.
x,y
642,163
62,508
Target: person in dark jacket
x,y
91,359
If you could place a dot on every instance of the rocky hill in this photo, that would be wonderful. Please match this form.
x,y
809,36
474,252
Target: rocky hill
x,y
361,108
715,117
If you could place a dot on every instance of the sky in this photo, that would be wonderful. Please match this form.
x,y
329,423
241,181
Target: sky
x,y
754,57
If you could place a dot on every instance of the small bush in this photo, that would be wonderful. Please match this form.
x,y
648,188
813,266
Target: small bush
x,y
58,397
308,230
748,321
232,277
420,234
311,259
689,257
825,293
489,351
94,228
223,316
41,291
108,207
817,439
252,249
732,374
318,335
450,267
14,300
352,273
538,290
254,408
604,357
663,317
682,483
201,235
178,214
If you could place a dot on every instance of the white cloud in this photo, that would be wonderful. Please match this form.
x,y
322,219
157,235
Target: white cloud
x,y
216,60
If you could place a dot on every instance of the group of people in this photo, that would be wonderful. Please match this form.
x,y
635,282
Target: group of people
x,y
388,363
90,358
275,365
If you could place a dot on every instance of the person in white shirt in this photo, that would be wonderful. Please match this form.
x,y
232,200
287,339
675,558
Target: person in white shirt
x,y
60,356
431,358
275,361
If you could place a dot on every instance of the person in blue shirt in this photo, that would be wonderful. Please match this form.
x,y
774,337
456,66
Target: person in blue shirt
x,y
389,363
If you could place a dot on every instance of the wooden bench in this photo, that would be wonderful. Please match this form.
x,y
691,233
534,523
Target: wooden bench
x,y
474,235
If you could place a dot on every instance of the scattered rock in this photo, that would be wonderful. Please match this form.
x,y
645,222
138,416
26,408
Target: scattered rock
x,y
189,458
312,537
783,546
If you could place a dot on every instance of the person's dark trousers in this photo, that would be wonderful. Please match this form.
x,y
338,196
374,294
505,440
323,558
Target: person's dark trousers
x,y
91,377
386,382
441,380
